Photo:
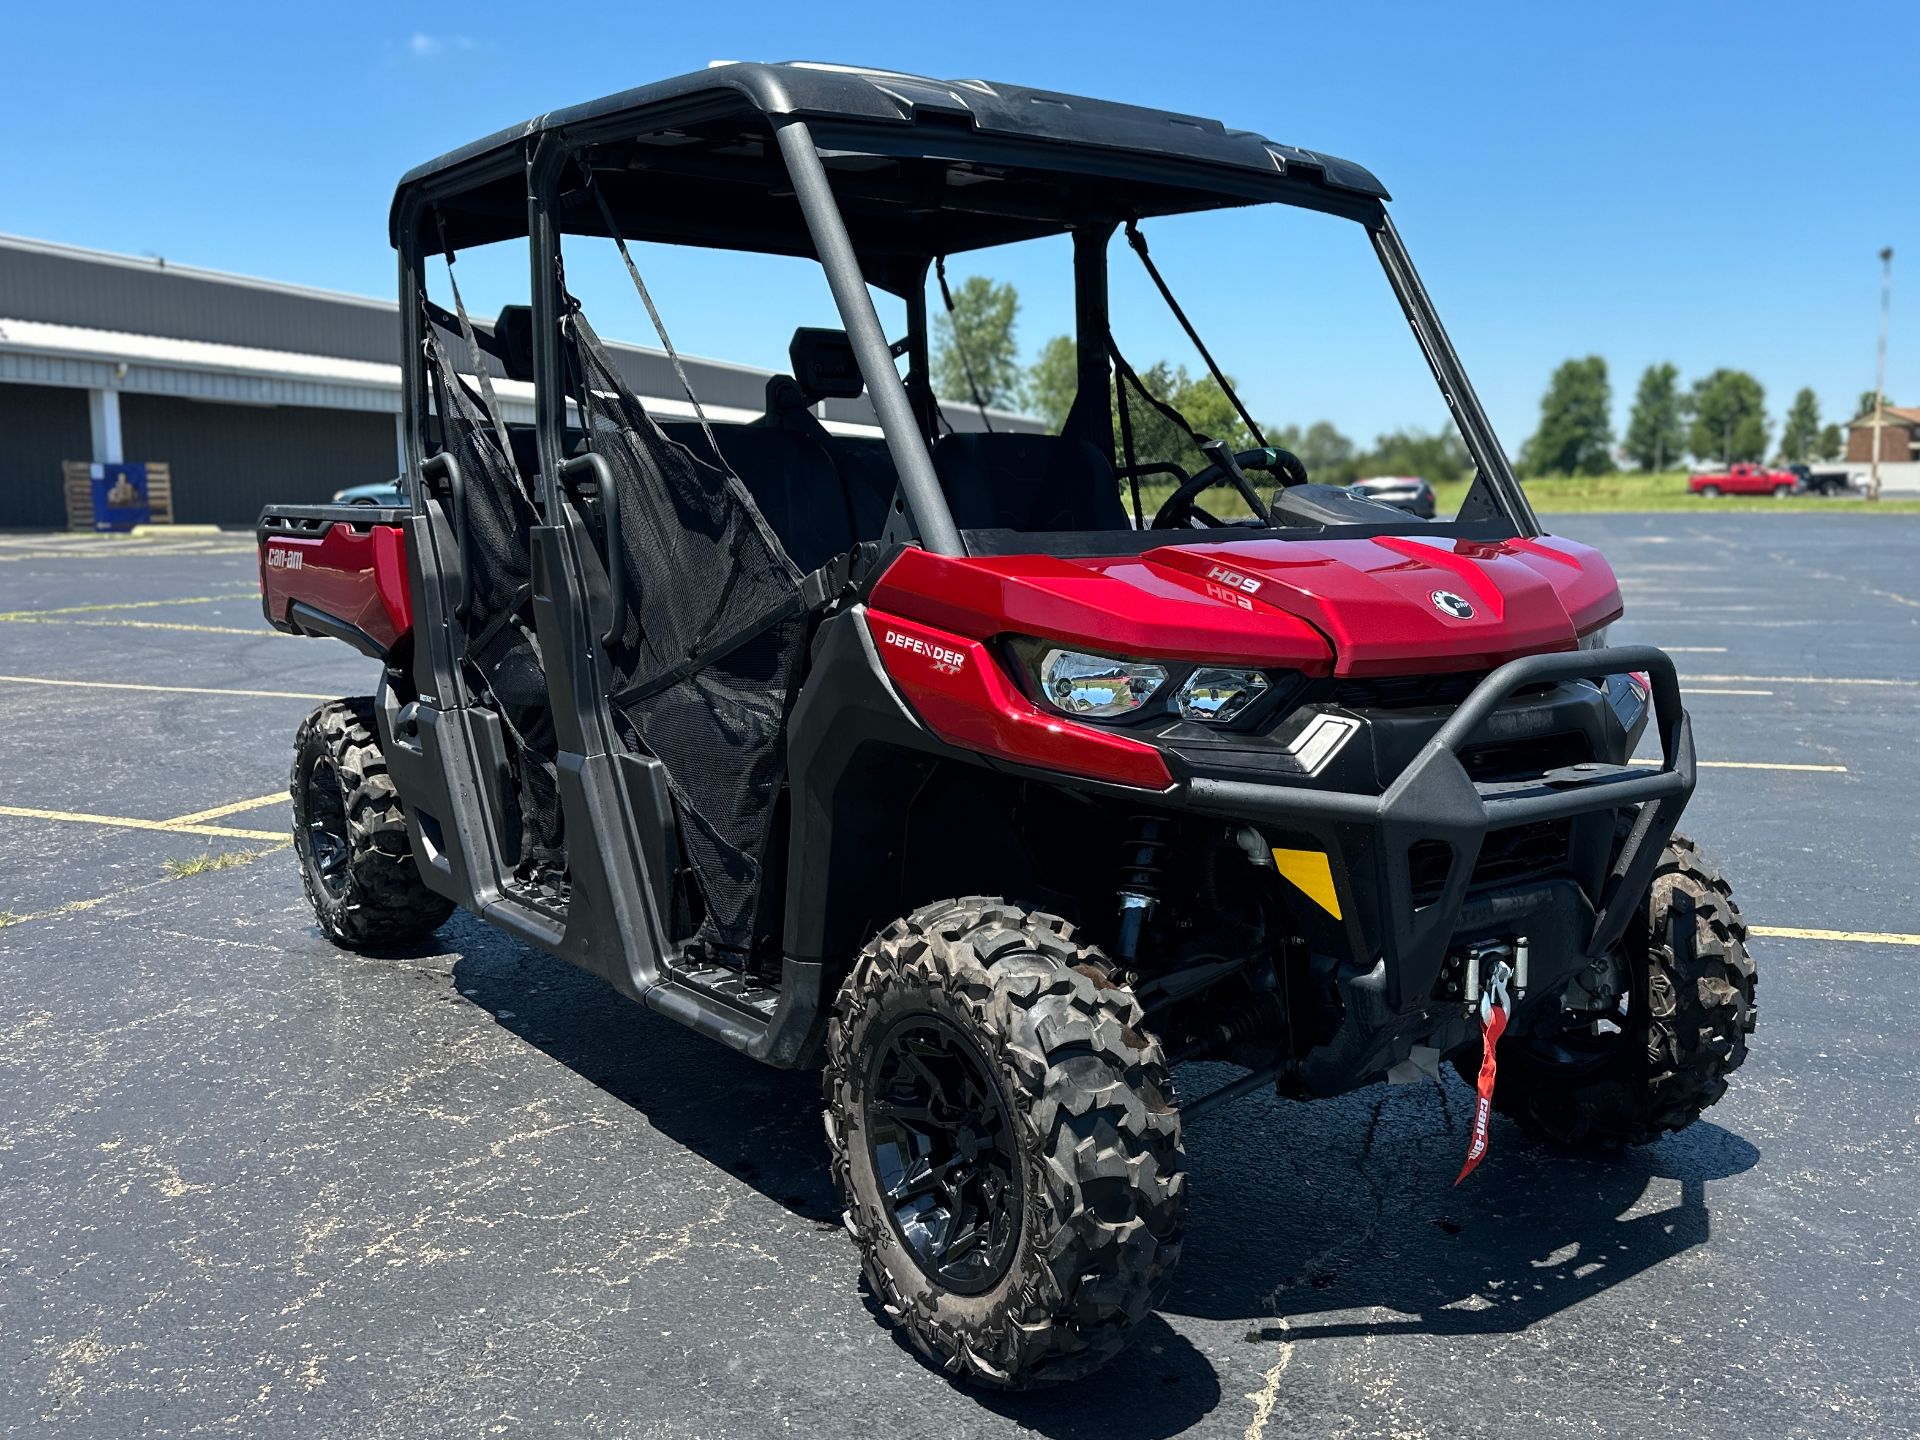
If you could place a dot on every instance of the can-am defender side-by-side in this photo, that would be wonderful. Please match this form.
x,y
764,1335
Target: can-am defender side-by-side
x,y
928,753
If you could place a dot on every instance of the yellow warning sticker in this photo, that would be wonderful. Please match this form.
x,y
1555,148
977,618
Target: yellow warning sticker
x,y
1310,872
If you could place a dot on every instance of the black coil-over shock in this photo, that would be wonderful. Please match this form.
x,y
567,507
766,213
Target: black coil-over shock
x,y
1143,865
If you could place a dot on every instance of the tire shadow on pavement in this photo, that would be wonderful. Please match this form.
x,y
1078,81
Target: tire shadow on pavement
x,y
1367,1220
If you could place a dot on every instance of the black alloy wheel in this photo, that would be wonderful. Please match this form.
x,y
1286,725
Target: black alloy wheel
x,y
329,847
944,1153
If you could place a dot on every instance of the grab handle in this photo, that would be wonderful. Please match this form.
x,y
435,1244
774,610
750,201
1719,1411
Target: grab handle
x,y
445,468
614,555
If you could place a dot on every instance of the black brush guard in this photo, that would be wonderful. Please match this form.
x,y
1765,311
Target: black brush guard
x,y
1434,799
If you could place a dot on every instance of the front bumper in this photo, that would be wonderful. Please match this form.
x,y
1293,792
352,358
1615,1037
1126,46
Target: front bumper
x,y
1392,935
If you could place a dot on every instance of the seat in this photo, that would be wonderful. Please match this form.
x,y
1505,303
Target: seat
x,y
791,478
1027,483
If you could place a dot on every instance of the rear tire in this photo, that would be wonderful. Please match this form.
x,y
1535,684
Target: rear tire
x,y
1782,492
1690,1008
350,833
1709,492
1080,1100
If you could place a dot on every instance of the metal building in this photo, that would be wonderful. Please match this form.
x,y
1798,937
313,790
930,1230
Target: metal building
x,y
249,389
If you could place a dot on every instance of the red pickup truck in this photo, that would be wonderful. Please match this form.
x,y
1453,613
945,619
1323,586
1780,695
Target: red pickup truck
x,y
1745,479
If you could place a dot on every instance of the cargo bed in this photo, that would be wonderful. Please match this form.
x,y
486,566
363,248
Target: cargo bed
x,y
338,571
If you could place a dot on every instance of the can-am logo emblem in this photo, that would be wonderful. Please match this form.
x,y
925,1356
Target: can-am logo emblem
x,y
1448,603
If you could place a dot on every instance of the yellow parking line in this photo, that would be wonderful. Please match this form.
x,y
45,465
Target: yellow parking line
x,y
163,689
117,605
220,812
1858,937
129,822
1755,765
260,629
1799,680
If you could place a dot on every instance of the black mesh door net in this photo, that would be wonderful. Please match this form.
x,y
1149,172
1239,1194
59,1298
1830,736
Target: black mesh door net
x,y
706,659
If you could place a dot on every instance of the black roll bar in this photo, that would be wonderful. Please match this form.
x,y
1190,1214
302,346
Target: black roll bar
x,y
919,486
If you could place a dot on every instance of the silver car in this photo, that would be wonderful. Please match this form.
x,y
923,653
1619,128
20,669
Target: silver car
x,y
1403,492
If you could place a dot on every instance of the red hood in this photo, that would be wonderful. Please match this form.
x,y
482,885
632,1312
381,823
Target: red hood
x,y
1346,607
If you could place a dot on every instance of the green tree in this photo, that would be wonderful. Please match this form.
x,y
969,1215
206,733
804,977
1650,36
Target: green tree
x,y
1439,455
1656,431
1327,454
1832,443
1867,398
1054,381
1576,430
979,338
1729,417
1200,399
1801,433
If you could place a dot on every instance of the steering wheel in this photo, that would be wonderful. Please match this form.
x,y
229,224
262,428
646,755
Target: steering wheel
x,y
1180,510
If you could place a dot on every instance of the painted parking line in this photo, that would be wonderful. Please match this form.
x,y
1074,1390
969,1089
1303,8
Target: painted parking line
x,y
1689,691
119,605
258,630
1755,765
1800,680
130,822
1857,937
1695,649
220,812
162,689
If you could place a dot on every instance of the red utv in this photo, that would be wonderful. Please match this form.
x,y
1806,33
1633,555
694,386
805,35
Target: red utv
x,y
1000,773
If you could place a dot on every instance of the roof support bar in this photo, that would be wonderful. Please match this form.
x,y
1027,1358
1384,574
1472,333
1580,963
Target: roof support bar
x,y
1093,403
1496,474
919,486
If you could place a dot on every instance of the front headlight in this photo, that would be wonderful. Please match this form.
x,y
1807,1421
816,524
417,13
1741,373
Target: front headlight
x,y
1097,687
1218,695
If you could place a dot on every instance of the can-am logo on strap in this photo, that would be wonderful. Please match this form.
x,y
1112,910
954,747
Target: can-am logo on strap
x,y
945,660
1448,603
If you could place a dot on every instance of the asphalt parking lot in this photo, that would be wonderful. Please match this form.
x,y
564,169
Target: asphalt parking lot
x,y
252,1185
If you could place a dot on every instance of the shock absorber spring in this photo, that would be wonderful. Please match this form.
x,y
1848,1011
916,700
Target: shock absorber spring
x,y
1143,865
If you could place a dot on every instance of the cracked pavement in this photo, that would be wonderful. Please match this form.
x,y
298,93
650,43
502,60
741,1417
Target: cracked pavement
x,y
252,1185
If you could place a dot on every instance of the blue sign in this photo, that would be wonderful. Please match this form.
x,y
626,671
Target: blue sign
x,y
120,497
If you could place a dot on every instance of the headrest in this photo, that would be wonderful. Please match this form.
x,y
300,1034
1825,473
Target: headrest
x,y
513,334
824,364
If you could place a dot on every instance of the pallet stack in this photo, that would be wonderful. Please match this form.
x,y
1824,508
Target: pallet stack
x,y
78,478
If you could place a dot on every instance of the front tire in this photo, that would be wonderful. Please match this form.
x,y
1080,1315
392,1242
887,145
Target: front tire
x,y
351,834
986,1077
1689,1010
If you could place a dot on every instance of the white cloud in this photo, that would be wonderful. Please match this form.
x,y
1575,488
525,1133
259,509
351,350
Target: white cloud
x,y
422,46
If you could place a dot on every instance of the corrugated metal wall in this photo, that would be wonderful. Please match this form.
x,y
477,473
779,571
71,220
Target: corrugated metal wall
x,y
146,298
229,460
40,426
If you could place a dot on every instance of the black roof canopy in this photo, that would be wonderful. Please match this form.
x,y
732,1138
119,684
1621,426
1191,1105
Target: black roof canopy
x,y
919,166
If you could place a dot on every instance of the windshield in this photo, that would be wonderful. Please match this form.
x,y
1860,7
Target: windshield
x,y
1265,377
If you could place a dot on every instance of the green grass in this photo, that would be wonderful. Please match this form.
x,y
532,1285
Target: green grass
x,y
1631,490
206,864
1626,491
8,917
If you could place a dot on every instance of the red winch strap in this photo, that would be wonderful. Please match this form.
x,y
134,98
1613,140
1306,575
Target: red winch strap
x,y
1493,1024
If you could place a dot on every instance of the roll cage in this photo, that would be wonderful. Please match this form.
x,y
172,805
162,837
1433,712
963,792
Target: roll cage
x,y
876,175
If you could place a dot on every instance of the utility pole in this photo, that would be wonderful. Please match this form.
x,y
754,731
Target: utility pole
x,y
1880,372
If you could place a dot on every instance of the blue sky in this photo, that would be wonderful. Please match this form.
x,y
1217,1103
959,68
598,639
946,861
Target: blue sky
x,y
1703,183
